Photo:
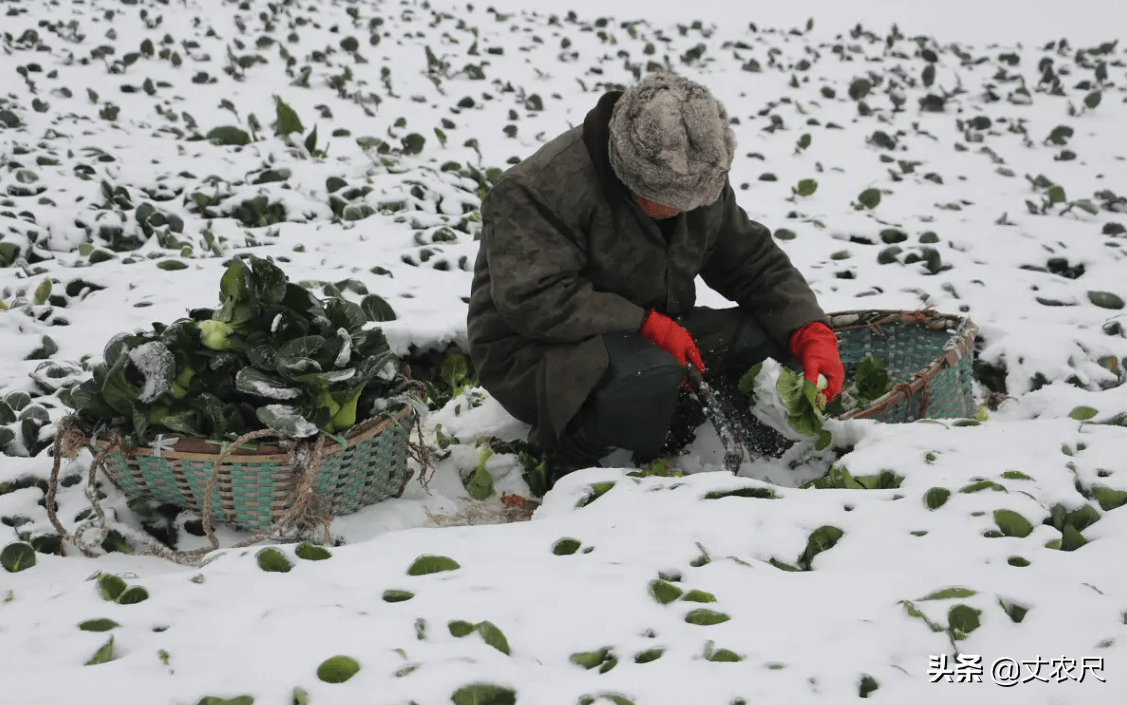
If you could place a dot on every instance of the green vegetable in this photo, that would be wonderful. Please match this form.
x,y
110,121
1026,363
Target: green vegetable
x,y
345,416
214,334
871,381
271,355
17,556
102,655
338,669
425,565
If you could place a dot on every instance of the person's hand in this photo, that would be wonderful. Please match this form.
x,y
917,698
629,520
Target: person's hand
x,y
662,331
815,348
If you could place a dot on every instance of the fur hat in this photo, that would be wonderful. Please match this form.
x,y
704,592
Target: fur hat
x,y
670,142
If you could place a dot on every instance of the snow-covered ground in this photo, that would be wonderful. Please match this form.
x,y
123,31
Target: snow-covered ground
x,y
1001,162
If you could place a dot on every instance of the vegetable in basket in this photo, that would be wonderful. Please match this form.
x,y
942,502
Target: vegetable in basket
x,y
272,355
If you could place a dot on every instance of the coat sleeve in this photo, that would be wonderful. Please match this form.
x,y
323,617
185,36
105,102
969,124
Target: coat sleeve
x,y
535,264
747,266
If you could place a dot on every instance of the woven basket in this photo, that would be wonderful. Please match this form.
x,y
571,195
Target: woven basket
x,y
929,357
255,487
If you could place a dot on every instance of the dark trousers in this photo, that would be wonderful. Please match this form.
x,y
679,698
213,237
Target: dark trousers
x,y
641,396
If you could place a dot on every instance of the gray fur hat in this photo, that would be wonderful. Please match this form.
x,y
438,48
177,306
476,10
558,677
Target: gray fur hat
x,y
670,142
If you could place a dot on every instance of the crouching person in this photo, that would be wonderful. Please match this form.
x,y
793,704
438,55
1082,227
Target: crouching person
x,y
582,314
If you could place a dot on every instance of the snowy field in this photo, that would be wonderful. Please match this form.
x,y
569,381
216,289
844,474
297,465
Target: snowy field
x,y
143,144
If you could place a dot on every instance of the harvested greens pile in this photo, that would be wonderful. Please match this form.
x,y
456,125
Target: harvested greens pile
x,y
273,355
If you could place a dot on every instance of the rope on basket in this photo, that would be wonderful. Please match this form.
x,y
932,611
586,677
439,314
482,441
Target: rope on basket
x,y
920,316
905,390
308,509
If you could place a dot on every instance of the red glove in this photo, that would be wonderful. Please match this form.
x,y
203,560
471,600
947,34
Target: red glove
x,y
663,332
815,348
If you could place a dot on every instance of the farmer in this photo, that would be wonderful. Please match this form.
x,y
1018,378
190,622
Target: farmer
x,y
582,316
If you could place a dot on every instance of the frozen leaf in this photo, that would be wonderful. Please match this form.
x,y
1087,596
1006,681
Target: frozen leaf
x,y
484,694
1083,517
133,596
752,492
806,187
110,587
17,556
859,88
157,366
869,198
228,135
271,560
1108,498
1083,413
1015,611
951,593
981,485
821,539
1106,299
310,552
784,566
240,700
98,625
699,596
397,595
706,617
722,655
1071,539
338,669
493,636
1012,524
286,419
565,547
915,612
43,292
1092,100
867,685
377,309
648,655
963,620
592,659
426,565
300,696
102,655
479,483
413,143
664,592
595,491
287,120
1060,135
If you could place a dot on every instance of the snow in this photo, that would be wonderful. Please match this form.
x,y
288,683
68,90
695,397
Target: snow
x,y
155,362
227,628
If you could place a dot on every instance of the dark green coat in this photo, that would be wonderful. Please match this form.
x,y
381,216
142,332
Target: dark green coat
x,y
566,256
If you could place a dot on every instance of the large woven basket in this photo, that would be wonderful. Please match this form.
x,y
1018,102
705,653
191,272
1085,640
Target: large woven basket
x,y
255,488
929,357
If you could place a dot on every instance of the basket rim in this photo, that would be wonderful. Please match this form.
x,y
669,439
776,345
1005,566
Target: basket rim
x,y
958,345
204,450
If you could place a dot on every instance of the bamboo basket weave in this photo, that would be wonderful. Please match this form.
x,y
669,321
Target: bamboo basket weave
x,y
256,487
928,355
